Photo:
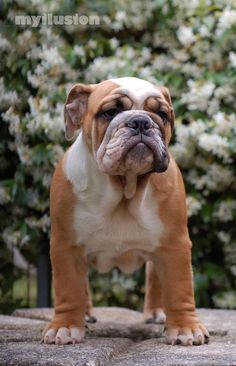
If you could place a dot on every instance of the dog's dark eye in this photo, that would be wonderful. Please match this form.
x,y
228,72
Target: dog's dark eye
x,y
163,115
110,113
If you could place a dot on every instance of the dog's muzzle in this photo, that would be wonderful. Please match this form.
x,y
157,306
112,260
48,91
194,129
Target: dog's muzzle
x,y
133,141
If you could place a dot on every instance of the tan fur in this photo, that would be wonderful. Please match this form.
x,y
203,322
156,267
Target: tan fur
x,y
173,257
169,282
69,264
153,293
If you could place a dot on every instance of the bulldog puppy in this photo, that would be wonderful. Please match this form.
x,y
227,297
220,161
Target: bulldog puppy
x,y
118,200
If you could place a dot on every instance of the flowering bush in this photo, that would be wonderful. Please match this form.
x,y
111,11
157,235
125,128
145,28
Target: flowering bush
x,y
188,46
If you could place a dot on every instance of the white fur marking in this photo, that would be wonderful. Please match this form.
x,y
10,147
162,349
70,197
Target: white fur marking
x,y
137,89
105,229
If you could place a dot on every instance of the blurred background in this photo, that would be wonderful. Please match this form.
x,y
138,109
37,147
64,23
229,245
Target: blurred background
x,y
187,45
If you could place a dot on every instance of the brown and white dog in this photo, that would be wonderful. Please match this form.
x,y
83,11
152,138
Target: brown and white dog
x,y
118,199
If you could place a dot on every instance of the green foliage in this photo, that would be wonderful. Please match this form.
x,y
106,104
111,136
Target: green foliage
x,y
187,45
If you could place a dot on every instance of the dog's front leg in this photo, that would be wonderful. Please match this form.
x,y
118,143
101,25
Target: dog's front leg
x,y
70,284
175,271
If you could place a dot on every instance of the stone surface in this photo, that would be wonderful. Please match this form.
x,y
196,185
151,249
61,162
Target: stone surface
x,y
35,313
119,338
111,322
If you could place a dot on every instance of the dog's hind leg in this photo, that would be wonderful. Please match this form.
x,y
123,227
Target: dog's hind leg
x,y
89,317
153,305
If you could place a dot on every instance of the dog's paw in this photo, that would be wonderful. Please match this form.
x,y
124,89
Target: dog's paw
x,y
156,316
187,336
89,318
63,335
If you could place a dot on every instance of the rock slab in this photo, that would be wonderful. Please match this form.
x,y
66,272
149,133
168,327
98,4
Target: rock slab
x,y
119,338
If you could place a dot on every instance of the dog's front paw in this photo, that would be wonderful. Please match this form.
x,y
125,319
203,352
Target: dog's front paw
x,y
187,336
63,335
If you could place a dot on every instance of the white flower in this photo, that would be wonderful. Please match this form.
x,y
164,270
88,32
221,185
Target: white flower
x,y
128,52
121,16
188,6
182,132
24,153
4,44
79,51
220,118
226,20
4,195
232,58
42,223
184,150
51,56
92,44
114,43
225,125
215,144
46,181
193,70
204,31
216,178
12,238
145,54
196,128
197,98
106,20
42,117
227,300
147,74
224,237
119,21
185,35
34,80
225,210
32,104
57,152
213,107
193,205
103,68
7,98
13,119
184,154
225,93
180,55
53,125
166,63
24,40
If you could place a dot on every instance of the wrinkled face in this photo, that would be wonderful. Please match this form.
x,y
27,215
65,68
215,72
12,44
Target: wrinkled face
x,y
132,142
127,125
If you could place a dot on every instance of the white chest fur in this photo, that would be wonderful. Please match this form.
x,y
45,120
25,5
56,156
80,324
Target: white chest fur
x,y
110,229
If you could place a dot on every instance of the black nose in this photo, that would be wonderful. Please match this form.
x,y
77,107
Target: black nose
x,y
139,124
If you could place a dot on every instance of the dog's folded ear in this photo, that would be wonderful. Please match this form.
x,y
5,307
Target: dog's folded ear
x,y
75,108
166,93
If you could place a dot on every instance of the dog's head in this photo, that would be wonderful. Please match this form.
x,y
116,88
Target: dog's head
x,y
126,124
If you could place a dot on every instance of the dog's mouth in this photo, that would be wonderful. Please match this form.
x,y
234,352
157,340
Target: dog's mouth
x,y
146,151
137,153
